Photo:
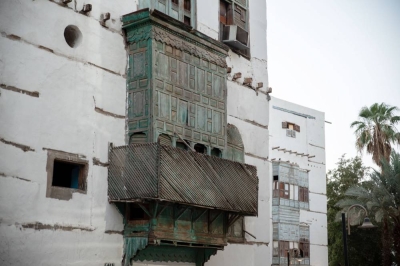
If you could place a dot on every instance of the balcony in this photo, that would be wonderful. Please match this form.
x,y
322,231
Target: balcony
x,y
166,174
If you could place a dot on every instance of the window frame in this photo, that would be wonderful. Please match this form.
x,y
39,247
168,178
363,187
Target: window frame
x,y
304,194
231,6
65,193
230,234
170,5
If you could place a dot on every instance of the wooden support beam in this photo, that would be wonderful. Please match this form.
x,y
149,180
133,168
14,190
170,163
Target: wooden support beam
x,y
162,209
145,210
215,218
199,216
155,210
233,219
177,214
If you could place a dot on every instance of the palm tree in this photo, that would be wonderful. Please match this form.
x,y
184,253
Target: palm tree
x,y
376,131
381,196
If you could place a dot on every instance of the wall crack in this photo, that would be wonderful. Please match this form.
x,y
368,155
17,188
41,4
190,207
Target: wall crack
x,y
40,226
103,112
25,148
15,89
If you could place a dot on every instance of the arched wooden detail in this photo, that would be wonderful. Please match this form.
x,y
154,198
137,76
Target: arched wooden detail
x,y
181,145
164,139
137,138
216,152
200,148
235,147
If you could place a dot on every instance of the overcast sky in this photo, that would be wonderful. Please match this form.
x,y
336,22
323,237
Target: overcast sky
x,y
335,56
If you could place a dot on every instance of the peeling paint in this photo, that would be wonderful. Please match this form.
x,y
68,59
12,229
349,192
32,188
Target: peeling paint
x,y
20,178
256,156
101,111
39,226
97,161
25,148
256,243
251,122
114,232
15,89
18,38
68,153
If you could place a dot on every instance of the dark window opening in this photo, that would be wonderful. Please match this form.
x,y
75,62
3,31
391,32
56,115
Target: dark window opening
x,y
200,148
186,5
137,213
186,20
68,175
216,152
276,178
181,145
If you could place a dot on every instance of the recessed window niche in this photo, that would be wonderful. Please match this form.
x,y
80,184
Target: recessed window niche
x,y
73,36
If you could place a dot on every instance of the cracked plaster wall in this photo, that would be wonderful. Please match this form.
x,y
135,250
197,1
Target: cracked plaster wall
x,y
72,84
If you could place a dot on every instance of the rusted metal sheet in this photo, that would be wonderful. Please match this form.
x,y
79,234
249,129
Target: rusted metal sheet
x,y
154,171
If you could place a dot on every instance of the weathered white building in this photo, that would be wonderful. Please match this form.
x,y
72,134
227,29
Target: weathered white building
x,y
76,76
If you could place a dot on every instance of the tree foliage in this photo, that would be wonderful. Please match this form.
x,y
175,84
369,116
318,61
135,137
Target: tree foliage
x,y
381,196
376,130
348,173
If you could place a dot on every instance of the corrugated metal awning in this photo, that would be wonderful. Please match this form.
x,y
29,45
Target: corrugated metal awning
x,y
154,171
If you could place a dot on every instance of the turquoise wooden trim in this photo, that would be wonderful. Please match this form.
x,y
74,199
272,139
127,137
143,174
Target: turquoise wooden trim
x,y
131,246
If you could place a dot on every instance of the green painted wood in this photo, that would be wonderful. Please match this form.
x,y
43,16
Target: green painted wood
x,y
176,82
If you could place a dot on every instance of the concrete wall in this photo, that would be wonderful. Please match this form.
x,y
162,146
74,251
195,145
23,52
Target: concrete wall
x,y
79,108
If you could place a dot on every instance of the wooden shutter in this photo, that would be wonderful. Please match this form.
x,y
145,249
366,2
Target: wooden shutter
x,y
164,139
138,138
287,191
305,191
284,125
223,6
237,16
301,195
305,250
283,248
297,128
281,190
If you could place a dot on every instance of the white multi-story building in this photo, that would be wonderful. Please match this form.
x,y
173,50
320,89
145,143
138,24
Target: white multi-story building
x,y
81,79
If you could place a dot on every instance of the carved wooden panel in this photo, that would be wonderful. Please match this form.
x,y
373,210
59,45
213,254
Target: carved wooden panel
x,y
191,96
138,88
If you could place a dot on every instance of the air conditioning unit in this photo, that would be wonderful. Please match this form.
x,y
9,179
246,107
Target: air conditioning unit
x,y
236,37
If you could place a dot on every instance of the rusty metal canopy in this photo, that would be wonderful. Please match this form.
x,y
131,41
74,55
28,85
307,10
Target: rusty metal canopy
x,y
158,172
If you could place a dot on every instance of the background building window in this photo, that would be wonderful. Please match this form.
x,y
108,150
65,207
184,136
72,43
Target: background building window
x,y
235,13
303,194
284,190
